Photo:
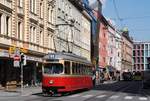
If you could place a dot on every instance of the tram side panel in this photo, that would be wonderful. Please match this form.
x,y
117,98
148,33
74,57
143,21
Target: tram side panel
x,y
67,83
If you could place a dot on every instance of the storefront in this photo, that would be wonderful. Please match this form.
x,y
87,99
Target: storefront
x,y
8,73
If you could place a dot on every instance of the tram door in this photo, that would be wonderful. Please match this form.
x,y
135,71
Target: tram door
x,y
67,67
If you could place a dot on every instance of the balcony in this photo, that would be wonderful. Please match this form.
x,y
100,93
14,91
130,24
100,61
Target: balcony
x,y
33,17
6,3
41,21
50,26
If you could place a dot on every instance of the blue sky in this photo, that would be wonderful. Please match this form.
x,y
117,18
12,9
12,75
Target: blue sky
x,y
135,15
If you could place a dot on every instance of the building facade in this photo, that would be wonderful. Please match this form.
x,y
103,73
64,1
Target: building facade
x,y
118,57
32,27
141,53
73,28
103,43
126,52
25,25
114,47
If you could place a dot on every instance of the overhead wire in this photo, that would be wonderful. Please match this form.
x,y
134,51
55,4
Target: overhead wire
x,y
117,13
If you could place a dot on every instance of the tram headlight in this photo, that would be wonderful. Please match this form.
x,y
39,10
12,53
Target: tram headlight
x,y
51,82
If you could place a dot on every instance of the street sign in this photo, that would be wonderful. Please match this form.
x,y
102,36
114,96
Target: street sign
x,y
16,61
16,50
16,58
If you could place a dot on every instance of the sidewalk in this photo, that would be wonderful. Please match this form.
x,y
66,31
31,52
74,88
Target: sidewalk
x,y
17,92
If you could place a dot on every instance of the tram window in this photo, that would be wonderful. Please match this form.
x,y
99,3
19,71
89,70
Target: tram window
x,y
73,68
76,68
82,70
67,67
53,68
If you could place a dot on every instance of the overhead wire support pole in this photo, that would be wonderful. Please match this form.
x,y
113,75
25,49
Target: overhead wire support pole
x,y
21,78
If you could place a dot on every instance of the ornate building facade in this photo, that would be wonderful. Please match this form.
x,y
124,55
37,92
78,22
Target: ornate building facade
x,y
35,27
126,52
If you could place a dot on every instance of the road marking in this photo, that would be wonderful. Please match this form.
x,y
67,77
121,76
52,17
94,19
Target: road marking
x,y
143,98
114,97
100,96
76,95
87,96
128,97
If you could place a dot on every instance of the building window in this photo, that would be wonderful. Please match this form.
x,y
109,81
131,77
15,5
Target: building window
x,y
34,34
134,46
138,46
134,53
19,29
7,25
20,3
0,22
104,59
51,14
146,47
138,52
104,35
41,38
32,6
63,5
30,34
41,9
111,51
118,54
138,60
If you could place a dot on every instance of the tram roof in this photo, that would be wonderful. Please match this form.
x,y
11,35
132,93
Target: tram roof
x,y
66,56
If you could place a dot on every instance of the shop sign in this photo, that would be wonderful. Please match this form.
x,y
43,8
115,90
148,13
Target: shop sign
x,y
34,58
4,53
13,50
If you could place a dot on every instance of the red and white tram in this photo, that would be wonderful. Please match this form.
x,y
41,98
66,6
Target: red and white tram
x,y
65,72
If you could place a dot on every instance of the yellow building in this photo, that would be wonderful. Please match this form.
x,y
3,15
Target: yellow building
x,y
26,26
33,27
127,48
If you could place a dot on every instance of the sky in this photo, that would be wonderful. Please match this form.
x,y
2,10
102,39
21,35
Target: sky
x,y
133,14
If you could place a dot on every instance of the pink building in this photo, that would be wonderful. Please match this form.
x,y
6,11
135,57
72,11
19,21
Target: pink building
x,y
103,43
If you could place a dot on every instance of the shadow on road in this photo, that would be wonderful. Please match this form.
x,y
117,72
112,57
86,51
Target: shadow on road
x,y
130,87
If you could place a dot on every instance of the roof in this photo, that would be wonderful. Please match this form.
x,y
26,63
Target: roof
x,y
66,56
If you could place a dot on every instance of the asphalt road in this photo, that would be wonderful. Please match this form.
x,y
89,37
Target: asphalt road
x,y
118,91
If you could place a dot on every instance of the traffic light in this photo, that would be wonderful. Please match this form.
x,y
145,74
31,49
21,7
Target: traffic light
x,y
23,59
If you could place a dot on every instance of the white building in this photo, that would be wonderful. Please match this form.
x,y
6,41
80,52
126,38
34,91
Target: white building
x,y
114,47
73,28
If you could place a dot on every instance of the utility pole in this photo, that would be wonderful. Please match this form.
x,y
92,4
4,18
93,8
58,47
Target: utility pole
x,y
22,63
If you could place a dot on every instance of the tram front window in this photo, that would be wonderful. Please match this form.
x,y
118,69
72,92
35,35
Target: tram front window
x,y
53,69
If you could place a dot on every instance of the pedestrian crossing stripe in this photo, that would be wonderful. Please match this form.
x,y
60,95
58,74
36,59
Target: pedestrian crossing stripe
x,y
114,97
143,98
76,95
128,97
87,96
111,97
100,96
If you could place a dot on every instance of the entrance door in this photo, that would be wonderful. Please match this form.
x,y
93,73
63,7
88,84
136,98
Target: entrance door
x,y
2,72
